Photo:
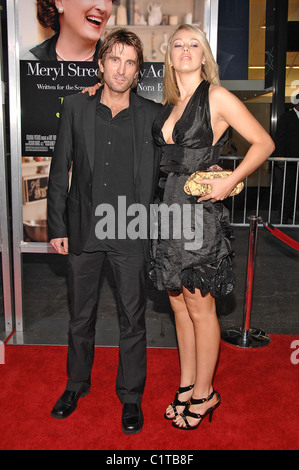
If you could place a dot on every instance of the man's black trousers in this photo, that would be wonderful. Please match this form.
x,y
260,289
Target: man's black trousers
x,y
84,273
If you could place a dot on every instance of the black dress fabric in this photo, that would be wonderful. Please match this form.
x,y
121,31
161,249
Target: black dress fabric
x,y
172,266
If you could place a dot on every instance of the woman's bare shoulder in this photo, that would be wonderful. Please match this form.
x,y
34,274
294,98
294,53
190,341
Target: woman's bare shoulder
x,y
220,97
218,91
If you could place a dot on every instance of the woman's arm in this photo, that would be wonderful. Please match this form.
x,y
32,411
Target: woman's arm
x,y
92,89
228,110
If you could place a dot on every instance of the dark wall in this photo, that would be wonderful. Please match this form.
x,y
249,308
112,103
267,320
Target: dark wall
x,y
233,31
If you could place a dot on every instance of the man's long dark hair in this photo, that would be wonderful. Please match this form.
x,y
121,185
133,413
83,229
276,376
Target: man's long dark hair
x,y
125,37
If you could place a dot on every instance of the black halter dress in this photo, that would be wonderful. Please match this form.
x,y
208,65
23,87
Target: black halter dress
x,y
206,264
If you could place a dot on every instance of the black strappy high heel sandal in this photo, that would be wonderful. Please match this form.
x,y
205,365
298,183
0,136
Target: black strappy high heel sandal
x,y
176,402
187,412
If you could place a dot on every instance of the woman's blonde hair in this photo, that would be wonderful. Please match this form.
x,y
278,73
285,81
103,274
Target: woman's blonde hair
x,y
209,70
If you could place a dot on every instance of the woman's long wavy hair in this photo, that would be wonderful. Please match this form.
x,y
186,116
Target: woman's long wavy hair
x,y
209,70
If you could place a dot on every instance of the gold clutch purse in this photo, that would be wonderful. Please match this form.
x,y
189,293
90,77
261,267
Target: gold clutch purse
x,y
194,188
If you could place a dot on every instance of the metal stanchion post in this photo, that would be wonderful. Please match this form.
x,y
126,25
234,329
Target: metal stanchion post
x,y
2,353
247,337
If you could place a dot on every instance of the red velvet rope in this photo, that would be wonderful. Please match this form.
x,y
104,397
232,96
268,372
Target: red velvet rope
x,y
282,236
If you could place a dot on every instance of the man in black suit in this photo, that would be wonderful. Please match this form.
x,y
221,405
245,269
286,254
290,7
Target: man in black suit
x,y
287,145
106,140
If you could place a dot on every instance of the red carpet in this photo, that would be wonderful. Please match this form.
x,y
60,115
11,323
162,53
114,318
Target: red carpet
x,y
259,410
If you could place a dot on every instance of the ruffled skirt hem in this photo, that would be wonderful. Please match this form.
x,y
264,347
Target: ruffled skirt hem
x,y
219,284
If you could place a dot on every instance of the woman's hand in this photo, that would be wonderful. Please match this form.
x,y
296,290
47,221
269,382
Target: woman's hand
x,y
220,189
92,89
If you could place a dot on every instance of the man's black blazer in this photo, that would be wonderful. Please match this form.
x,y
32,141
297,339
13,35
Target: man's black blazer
x,y
69,208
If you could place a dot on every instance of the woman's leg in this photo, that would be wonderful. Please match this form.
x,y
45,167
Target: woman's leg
x,y
186,344
206,331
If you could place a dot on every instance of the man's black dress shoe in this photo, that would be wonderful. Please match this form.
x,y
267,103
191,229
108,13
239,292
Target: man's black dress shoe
x,y
132,418
67,403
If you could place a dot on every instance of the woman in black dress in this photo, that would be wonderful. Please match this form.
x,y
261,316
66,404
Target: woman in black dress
x,y
191,129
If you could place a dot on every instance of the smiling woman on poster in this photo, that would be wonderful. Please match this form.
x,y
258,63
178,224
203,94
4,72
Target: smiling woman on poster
x,y
78,26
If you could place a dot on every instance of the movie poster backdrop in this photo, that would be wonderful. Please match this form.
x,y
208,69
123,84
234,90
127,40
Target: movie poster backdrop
x,y
43,86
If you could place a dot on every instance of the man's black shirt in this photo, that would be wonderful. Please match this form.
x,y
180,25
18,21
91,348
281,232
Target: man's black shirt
x,y
113,176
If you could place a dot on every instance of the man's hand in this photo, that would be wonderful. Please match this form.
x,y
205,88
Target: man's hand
x,y
61,245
